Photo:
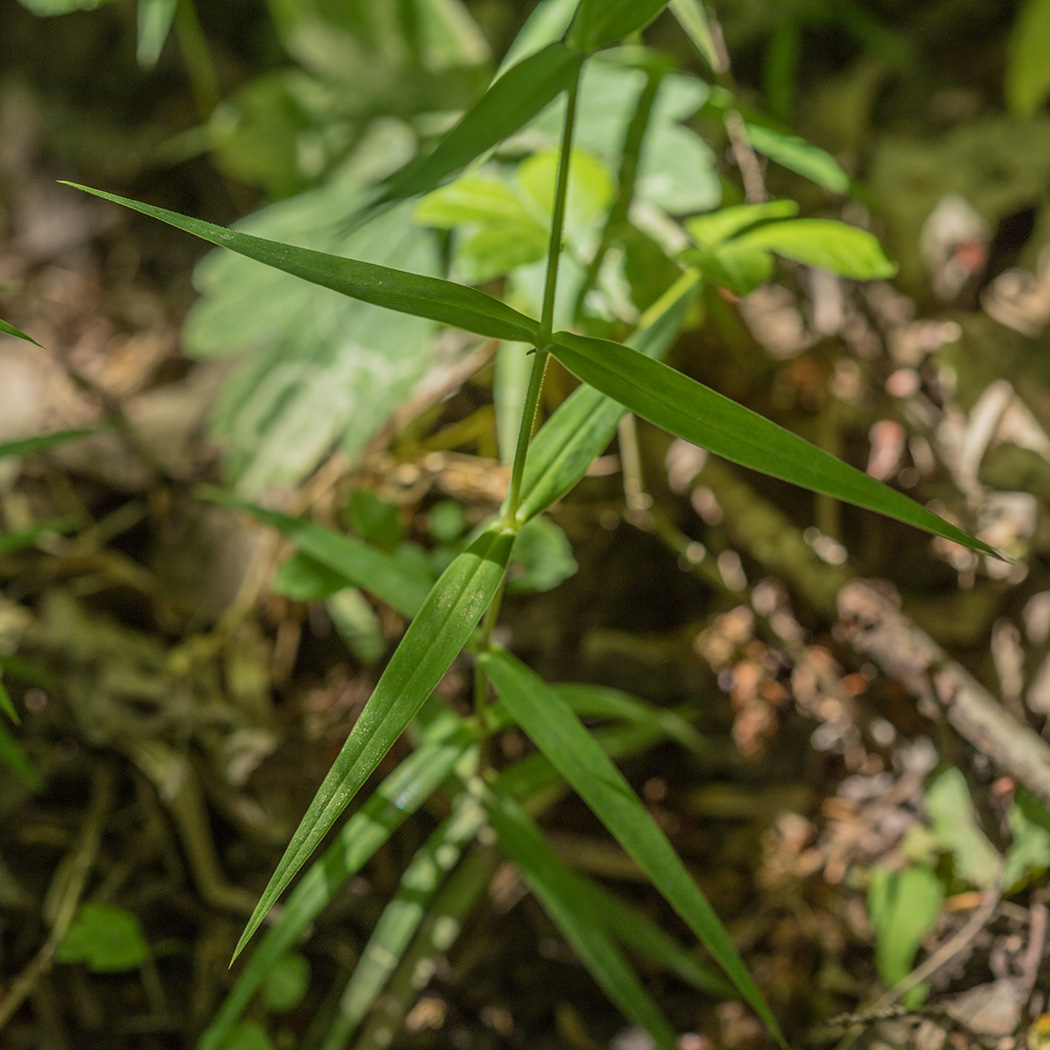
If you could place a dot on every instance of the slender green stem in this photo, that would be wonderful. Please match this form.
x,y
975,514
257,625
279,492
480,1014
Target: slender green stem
x,y
539,363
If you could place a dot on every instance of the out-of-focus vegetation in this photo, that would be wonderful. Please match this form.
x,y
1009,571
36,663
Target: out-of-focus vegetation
x,y
860,803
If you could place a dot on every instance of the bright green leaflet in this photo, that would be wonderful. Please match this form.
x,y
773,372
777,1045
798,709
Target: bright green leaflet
x,y
600,23
717,226
509,104
9,329
410,293
105,937
360,564
903,905
400,795
567,902
432,642
823,243
560,735
698,414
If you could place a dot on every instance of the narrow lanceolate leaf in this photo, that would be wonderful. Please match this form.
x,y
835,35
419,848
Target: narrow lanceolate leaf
x,y
7,706
389,579
42,442
601,23
435,637
586,421
400,795
698,414
155,18
9,329
565,899
508,105
546,25
571,749
408,293
401,918
823,243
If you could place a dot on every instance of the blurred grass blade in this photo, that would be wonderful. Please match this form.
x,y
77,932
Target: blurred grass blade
x,y
401,918
698,414
9,329
601,23
509,104
599,701
400,795
436,936
566,900
12,756
560,735
408,293
636,930
391,580
7,706
584,424
1027,82
17,541
693,19
154,23
42,442
433,640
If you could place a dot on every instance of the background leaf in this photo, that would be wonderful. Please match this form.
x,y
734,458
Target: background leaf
x,y
825,244
600,23
1027,69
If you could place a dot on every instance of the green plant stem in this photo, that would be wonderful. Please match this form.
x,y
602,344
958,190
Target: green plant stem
x,y
532,394
543,338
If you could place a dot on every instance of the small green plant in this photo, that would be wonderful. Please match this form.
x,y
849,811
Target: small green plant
x,y
512,219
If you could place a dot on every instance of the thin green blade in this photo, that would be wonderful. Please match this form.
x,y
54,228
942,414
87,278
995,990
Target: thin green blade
x,y
432,642
9,329
400,795
560,735
42,442
698,414
385,576
601,23
12,756
508,105
7,705
693,19
154,23
408,293
566,900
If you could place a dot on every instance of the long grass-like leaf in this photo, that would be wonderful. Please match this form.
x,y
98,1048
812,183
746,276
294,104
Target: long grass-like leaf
x,y
9,329
508,105
432,642
400,795
584,424
42,442
698,414
565,899
385,576
408,293
560,735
